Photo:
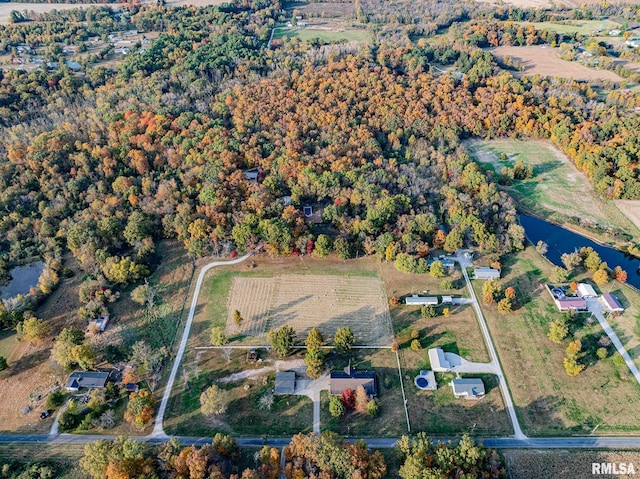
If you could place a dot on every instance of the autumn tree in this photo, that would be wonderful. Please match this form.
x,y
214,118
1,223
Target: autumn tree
x,y
237,318
218,336
619,274
361,399
140,409
558,275
213,401
437,269
558,330
282,340
65,342
348,398
505,306
428,311
33,329
601,277
490,290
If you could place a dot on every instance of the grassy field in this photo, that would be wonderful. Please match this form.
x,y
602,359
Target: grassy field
x,y
583,27
548,401
289,414
8,340
325,31
392,420
557,191
62,457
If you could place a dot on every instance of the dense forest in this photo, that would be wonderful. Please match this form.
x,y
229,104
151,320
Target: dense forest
x,y
107,161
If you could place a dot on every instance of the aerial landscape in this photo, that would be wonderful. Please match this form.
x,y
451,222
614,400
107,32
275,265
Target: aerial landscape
x,y
258,239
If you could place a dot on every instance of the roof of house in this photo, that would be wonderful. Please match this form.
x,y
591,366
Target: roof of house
x,y
415,299
612,302
285,382
486,272
447,299
586,290
438,360
571,303
87,379
349,378
470,387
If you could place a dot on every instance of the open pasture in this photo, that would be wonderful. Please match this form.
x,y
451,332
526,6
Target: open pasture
x,y
307,301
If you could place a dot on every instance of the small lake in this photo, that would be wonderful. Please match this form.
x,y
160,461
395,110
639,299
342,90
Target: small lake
x,y
24,278
562,241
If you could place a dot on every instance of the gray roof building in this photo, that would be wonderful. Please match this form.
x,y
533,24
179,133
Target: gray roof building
x,y
285,382
86,379
485,272
349,378
468,388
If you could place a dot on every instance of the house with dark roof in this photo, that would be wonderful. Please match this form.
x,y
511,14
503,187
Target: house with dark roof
x,y
612,303
349,378
87,379
285,382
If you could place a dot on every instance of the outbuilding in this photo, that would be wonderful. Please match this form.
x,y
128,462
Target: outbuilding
x,y
416,300
586,291
439,362
612,303
285,382
486,273
468,388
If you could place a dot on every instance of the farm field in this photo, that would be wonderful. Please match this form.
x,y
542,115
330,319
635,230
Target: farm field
x,y
325,31
62,457
548,401
631,209
557,191
626,325
546,62
307,301
524,464
244,417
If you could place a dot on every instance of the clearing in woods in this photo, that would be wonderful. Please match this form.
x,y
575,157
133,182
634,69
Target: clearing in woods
x,y
631,209
558,190
307,301
546,62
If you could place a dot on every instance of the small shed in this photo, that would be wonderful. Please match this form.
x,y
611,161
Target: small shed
x,y
285,382
586,291
486,273
97,325
252,356
421,300
612,303
131,387
468,388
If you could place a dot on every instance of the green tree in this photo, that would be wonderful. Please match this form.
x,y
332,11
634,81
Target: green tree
x,y
373,408
437,270
282,340
123,270
405,263
592,261
601,277
602,353
3,363
323,246
139,226
65,342
314,340
143,294
218,336
504,306
336,408
84,356
214,401
446,284
33,329
314,361
454,240
344,339
558,330
342,248
428,311
559,275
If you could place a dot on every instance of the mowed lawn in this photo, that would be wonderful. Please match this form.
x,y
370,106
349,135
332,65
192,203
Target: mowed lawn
x,y
63,458
557,191
583,27
548,401
324,34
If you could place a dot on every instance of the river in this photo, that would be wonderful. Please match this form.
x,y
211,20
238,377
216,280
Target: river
x,y
560,241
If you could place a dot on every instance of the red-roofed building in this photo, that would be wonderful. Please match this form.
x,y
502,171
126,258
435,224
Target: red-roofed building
x,y
612,303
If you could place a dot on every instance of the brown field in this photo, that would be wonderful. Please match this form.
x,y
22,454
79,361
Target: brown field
x,y
307,301
546,62
631,209
526,464
7,8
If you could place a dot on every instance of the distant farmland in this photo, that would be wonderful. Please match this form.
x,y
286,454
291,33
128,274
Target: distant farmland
x,y
546,62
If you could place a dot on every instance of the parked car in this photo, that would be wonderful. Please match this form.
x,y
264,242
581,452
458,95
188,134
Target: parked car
x,y
45,414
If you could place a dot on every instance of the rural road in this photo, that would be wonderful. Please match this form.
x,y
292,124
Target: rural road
x,y
506,394
158,431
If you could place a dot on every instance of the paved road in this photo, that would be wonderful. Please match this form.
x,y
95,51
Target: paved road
x,y
158,431
595,307
506,394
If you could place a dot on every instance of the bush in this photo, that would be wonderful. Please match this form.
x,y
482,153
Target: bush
x,y
415,334
68,420
446,284
218,336
428,311
415,345
56,399
618,360
336,407
602,353
373,408
3,363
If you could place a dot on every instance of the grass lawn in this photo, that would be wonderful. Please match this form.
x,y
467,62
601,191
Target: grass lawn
x,y
8,339
62,457
328,35
557,191
583,27
289,414
392,420
548,401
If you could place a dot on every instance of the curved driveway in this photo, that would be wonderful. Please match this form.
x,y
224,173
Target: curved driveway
x,y
158,431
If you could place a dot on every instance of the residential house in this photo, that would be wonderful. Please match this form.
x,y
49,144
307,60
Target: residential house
x,y
252,175
571,304
285,382
252,356
484,272
468,388
612,303
75,66
349,378
416,300
87,379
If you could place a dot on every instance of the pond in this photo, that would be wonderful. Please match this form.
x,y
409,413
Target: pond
x,y
23,279
560,241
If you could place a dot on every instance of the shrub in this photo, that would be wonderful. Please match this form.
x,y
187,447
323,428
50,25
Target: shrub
x,y
415,334
446,284
602,353
618,360
56,399
336,406
3,363
428,311
415,345
373,408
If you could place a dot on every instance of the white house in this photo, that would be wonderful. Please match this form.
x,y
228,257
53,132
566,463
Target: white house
x,y
487,273
468,388
421,300
438,361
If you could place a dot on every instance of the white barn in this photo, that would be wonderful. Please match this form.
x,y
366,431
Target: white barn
x,y
421,300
